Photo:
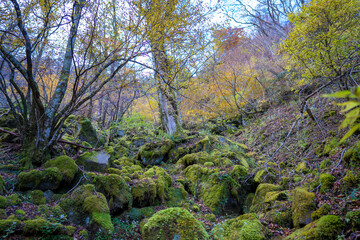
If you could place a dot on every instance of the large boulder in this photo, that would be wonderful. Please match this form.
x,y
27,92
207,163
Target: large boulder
x,y
303,205
173,223
47,179
115,190
264,194
155,153
242,228
87,133
95,161
66,166
327,227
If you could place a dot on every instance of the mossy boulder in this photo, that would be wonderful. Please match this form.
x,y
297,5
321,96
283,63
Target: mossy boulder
x,y
352,155
322,211
219,190
3,202
327,227
88,134
155,153
97,161
267,175
280,216
303,205
9,224
173,223
193,158
239,228
353,218
41,226
88,203
259,203
115,190
350,180
13,200
47,179
37,197
151,188
327,181
66,165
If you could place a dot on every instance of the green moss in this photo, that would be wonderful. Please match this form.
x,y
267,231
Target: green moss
x,y
66,165
193,158
350,180
322,211
352,156
48,179
301,168
327,181
209,164
325,163
196,208
13,200
203,145
97,206
210,217
154,153
3,202
88,133
52,213
124,161
2,185
271,197
265,176
115,189
241,229
84,234
37,197
327,227
259,204
353,218
8,225
173,223
239,172
284,181
281,218
303,204
40,226
3,214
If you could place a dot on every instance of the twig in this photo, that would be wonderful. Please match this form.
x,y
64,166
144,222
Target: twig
x,y
342,154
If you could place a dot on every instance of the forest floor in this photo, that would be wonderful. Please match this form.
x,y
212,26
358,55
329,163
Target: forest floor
x,y
282,175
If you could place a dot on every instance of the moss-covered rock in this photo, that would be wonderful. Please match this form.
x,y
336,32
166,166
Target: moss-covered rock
x,y
155,153
89,208
95,161
138,214
241,229
350,180
210,217
327,227
115,189
152,188
47,179
352,155
353,218
88,134
301,168
327,181
13,200
266,175
281,217
218,189
41,226
9,225
3,202
193,158
322,211
66,165
303,205
173,223
259,201
37,197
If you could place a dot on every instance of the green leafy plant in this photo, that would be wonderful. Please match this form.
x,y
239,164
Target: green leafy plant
x,y
351,108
